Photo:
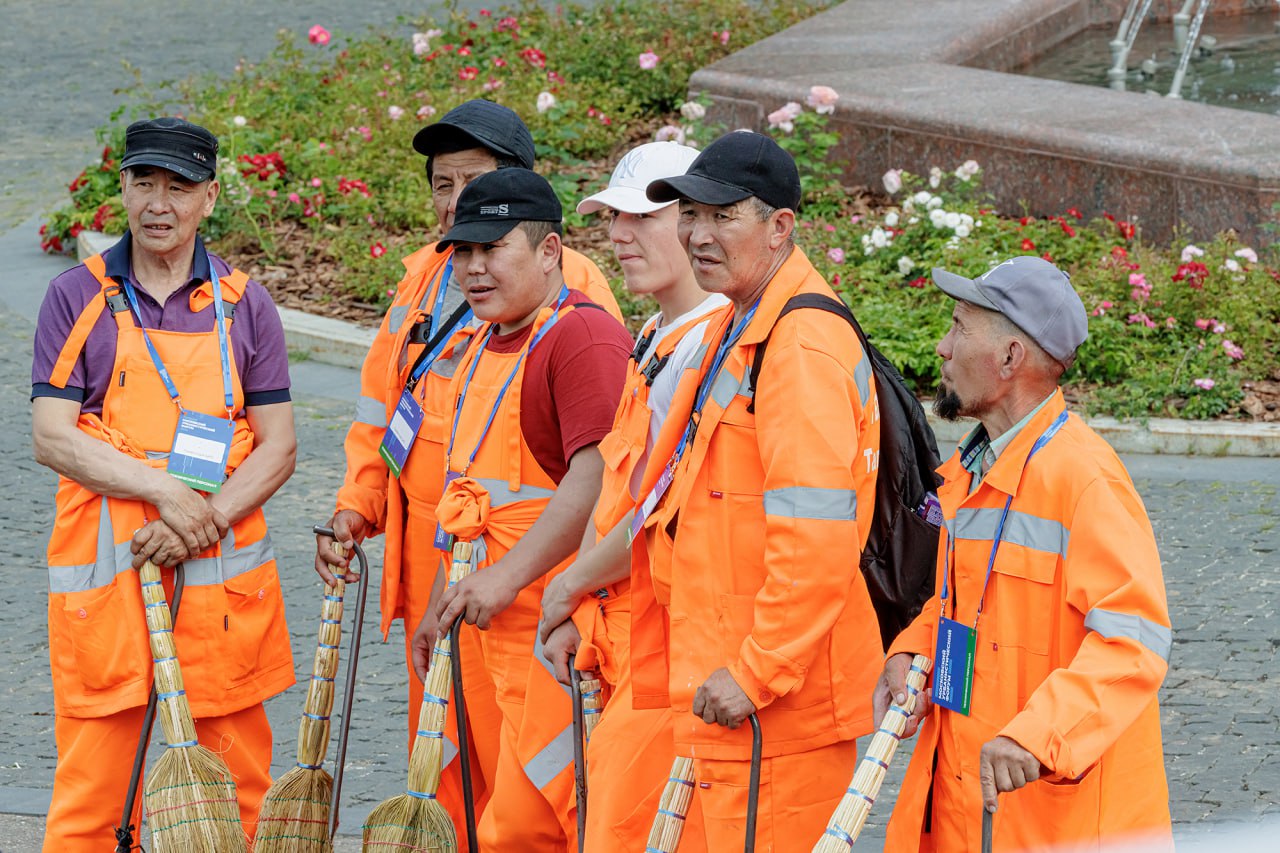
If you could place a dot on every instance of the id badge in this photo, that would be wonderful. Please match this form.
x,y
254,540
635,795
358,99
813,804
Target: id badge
x,y
953,666
201,445
650,503
444,541
397,441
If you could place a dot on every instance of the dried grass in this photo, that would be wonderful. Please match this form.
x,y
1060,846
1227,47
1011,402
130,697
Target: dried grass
x,y
668,823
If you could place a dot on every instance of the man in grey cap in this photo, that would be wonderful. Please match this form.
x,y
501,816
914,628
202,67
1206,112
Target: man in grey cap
x,y
392,487
1049,633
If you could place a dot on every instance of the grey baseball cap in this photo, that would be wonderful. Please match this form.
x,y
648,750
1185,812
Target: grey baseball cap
x,y
1034,294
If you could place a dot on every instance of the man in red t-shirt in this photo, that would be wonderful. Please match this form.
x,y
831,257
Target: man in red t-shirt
x,y
532,396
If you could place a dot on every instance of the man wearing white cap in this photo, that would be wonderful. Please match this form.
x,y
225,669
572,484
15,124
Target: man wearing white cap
x,y
1049,631
587,609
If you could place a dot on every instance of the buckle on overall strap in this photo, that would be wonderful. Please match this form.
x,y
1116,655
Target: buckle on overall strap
x,y
641,345
654,367
117,301
420,332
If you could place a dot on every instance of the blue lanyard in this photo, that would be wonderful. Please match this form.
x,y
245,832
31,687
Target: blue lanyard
x,y
437,317
502,392
1044,439
704,387
224,349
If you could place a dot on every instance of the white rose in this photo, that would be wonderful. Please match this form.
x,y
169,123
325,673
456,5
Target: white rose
x,y
239,121
934,203
923,197
906,265
935,177
546,101
879,238
891,219
892,181
938,218
962,230
692,110
953,220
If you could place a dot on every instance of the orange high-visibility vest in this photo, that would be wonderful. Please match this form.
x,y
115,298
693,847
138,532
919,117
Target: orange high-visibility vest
x,y
754,550
232,641
1072,646
495,502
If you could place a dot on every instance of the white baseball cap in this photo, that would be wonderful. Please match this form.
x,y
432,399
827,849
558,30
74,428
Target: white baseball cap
x,y
642,165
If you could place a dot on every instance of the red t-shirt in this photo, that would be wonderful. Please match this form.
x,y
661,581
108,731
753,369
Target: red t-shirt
x,y
572,382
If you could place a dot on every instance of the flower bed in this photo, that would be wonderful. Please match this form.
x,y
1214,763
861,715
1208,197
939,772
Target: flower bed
x,y
322,193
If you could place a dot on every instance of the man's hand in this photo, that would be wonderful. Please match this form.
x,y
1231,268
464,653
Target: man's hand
x,y
892,689
558,604
349,527
424,640
562,642
1004,766
476,599
190,516
158,542
720,700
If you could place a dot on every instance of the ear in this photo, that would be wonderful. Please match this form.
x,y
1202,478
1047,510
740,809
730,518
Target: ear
x,y
549,253
1015,355
211,198
781,223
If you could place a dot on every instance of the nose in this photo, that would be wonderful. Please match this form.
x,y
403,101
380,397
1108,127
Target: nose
x,y
620,231
943,349
696,233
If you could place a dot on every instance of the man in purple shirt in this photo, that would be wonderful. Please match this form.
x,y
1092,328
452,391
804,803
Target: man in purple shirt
x,y
160,395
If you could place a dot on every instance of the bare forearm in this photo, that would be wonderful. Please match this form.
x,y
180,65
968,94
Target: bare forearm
x,y
65,449
265,469
607,562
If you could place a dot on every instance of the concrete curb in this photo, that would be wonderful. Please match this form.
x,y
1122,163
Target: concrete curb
x,y
344,344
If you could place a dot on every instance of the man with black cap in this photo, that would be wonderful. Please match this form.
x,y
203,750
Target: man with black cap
x,y
757,505
394,488
160,395
1050,633
534,392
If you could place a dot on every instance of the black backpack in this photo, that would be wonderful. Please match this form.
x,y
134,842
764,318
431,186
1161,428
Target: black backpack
x,y
900,560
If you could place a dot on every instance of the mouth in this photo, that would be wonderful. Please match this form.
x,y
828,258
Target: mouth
x,y
479,291
705,262
623,258
157,229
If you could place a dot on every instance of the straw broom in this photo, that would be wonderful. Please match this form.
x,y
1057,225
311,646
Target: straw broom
x,y
295,810
856,804
191,798
668,823
415,821
592,704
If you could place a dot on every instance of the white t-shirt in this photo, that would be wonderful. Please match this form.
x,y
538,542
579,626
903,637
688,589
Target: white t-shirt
x,y
664,385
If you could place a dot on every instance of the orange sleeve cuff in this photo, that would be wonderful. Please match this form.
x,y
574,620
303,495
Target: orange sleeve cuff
x,y
757,691
370,503
1039,738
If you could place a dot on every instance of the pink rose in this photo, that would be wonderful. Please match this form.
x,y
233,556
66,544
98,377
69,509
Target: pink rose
x,y
648,60
318,35
395,113
1204,383
822,99
836,255
892,181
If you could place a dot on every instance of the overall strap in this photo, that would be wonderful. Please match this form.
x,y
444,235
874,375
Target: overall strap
x,y
111,297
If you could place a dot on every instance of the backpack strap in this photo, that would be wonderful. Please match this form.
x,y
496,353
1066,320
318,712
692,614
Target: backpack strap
x,y
819,301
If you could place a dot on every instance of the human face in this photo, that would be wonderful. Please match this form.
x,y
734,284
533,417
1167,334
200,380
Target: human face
x,y
450,174
648,248
508,281
165,209
971,364
731,249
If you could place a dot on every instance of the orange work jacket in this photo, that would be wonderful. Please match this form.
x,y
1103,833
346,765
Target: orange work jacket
x,y
232,641
368,487
494,502
603,621
754,550
1072,646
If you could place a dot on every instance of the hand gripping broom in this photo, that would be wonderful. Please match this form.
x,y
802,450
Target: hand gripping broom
x,y
191,798
856,804
295,816
415,822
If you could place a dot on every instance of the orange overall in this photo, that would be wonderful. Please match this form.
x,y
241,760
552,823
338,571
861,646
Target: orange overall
x,y
406,510
1072,646
231,637
754,555
629,755
497,498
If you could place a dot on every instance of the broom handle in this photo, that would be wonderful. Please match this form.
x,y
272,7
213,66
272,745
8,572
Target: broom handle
x,y
124,833
464,748
348,693
579,754
986,830
753,785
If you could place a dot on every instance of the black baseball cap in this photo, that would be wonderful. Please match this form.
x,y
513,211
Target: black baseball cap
x,y
171,143
496,202
478,124
736,166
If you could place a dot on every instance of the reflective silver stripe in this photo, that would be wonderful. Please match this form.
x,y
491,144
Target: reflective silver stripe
x,y
211,571
157,454
395,317
551,761
812,502
446,367
724,387
1154,637
698,355
371,412
500,494
862,376
450,752
1021,528
546,664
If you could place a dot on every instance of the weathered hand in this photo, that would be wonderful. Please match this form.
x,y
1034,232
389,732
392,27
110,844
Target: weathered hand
x,y
562,642
476,598
720,700
1004,766
892,689
190,516
348,528
157,542
424,640
558,604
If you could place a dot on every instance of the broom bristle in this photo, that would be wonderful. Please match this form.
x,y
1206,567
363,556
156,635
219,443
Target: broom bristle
x,y
592,704
295,814
855,806
668,823
408,824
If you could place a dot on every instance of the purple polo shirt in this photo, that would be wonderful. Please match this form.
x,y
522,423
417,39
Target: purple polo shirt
x,y
257,337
